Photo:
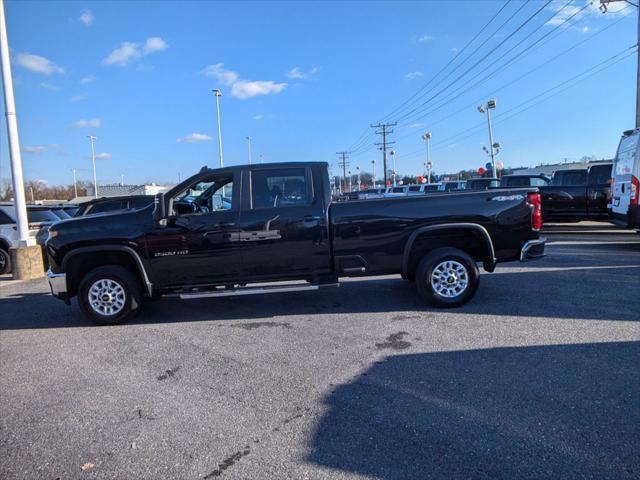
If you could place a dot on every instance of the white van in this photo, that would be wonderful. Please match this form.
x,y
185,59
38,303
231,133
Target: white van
x,y
626,180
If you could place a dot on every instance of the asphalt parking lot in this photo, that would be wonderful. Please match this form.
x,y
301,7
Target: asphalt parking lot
x,y
538,377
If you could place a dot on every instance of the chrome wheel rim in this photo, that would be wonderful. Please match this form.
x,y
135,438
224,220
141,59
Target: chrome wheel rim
x,y
449,279
106,297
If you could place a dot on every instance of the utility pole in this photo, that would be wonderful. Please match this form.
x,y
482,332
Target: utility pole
x,y
384,144
92,140
218,94
603,8
344,164
359,181
250,148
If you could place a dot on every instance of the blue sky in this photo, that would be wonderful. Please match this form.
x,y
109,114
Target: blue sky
x,y
304,80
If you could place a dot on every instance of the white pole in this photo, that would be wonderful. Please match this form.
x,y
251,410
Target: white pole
x,y
218,94
92,139
122,179
250,147
493,154
393,160
12,134
373,162
75,184
428,160
359,181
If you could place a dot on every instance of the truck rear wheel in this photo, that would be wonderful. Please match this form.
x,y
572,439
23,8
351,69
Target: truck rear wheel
x,y
5,261
110,295
447,277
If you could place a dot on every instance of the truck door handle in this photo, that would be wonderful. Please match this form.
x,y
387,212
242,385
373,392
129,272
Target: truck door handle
x,y
227,224
312,218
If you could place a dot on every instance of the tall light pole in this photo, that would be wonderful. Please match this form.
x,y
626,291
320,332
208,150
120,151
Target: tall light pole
x,y
373,177
350,186
393,163
359,180
92,140
427,138
218,94
490,105
75,184
12,134
250,148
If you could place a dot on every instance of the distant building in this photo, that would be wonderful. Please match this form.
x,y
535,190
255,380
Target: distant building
x,y
548,169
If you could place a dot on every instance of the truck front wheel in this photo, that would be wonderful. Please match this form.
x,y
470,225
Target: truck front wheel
x,y
5,261
447,277
110,295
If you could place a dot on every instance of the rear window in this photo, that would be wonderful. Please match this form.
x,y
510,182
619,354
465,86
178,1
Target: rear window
x,y
36,216
414,189
570,179
397,190
5,219
279,187
108,206
600,174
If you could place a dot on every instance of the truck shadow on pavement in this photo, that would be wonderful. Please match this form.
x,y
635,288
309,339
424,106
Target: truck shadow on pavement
x,y
560,293
556,411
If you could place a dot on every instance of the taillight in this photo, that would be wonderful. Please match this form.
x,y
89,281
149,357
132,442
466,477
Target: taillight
x,y
635,191
535,201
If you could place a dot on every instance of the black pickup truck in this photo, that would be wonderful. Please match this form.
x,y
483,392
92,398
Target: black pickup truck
x,y
272,228
577,194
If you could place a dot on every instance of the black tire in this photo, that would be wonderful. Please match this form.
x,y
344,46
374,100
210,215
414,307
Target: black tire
x,y
439,295
126,287
5,261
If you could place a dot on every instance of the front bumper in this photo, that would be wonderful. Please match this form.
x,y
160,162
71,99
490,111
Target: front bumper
x,y
533,249
58,284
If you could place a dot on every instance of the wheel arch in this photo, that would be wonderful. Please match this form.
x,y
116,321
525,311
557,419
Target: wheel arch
x,y
79,262
471,238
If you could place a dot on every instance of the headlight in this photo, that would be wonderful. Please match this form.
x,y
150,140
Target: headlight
x,y
52,233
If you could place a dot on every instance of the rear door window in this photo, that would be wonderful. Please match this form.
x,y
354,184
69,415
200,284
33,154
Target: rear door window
x,y
36,216
5,219
280,187
600,175
108,206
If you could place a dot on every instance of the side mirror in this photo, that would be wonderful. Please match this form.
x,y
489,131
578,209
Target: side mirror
x,y
159,211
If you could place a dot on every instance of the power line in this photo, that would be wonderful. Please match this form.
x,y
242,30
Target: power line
x,y
468,70
569,83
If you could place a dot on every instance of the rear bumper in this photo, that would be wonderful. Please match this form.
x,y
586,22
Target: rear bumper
x,y
532,249
58,285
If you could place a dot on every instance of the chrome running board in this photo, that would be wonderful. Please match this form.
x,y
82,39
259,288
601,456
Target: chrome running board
x,y
230,292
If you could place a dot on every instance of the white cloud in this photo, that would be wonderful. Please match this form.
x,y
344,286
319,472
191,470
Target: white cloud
x,y
414,75
87,18
425,38
195,137
37,64
154,44
35,149
217,71
242,89
297,73
129,52
259,116
416,125
91,123
103,156
48,86
87,79
574,13
78,98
